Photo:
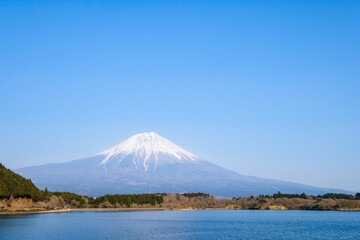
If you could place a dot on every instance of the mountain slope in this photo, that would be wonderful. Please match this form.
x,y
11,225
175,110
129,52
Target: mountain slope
x,y
149,163
14,185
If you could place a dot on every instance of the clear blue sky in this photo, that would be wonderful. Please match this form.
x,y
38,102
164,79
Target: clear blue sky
x,y
265,88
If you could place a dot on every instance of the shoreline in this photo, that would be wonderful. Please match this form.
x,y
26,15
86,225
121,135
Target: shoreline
x,y
115,209
80,210
15,213
30,212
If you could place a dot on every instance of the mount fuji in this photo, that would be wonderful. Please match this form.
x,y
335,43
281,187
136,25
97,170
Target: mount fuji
x,y
149,163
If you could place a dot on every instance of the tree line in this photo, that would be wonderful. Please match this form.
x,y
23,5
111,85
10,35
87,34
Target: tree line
x,y
304,196
198,194
128,199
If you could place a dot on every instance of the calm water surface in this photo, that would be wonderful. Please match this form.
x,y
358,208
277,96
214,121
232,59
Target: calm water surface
x,y
211,224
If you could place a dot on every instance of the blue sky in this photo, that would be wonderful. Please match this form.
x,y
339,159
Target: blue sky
x,y
265,88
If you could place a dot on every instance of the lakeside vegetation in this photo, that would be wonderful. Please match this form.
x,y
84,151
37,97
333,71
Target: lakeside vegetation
x,y
20,194
16,186
110,201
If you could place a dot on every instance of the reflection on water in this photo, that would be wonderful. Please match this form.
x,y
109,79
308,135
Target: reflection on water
x,y
210,224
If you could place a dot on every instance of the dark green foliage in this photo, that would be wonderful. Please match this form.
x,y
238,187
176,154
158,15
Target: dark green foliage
x,y
319,197
255,206
199,194
14,185
337,196
264,196
91,202
82,203
127,200
357,196
281,195
261,201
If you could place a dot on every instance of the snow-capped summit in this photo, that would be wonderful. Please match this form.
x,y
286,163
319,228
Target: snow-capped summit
x,y
145,149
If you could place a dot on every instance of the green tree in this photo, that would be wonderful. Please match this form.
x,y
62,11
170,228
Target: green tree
x,y
128,202
82,203
357,196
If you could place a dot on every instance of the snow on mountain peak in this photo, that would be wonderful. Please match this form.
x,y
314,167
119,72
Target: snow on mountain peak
x,y
147,144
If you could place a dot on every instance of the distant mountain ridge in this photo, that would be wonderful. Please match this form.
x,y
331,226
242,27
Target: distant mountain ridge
x,y
149,163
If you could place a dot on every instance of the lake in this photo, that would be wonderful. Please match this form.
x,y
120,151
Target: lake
x,y
202,224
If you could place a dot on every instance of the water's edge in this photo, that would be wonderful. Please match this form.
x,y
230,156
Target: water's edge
x,y
19,213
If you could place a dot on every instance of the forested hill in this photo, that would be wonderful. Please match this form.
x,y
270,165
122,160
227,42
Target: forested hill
x,y
14,185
